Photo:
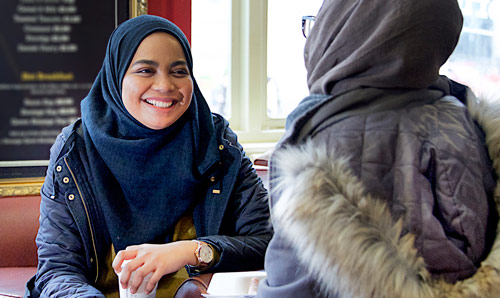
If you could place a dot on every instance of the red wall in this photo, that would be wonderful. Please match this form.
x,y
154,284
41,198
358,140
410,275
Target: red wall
x,y
177,11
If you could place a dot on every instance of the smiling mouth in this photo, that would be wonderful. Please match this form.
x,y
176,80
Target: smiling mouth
x,y
160,104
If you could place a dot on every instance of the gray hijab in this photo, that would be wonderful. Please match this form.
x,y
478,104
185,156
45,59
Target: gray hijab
x,y
380,43
364,56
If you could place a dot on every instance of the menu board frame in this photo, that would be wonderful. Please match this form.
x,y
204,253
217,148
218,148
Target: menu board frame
x,y
25,177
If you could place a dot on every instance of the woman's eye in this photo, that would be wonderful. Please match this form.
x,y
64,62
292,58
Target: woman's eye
x,y
145,70
180,72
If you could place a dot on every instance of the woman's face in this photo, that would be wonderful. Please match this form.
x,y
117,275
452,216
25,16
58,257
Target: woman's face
x,y
157,87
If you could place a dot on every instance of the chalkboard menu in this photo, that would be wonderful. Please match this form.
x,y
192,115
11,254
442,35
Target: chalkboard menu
x,y
50,53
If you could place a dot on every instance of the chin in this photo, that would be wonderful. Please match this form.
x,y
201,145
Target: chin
x,y
158,125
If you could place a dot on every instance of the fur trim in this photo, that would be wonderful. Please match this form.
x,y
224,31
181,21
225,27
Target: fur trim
x,y
359,252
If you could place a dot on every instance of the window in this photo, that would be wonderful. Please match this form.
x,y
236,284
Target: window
x,y
249,59
476,60
211,48
286,73
240,49
234,74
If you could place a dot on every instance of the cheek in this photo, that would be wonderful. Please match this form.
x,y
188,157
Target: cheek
x,y
187,91
125,87
130,91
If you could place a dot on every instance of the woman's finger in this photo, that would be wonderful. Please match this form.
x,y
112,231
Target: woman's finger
x,y
155,278
121,256
124,277
127,270
138,277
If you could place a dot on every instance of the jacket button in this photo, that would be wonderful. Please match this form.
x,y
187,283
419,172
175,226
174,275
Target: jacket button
x,y
212,179
58,168
52,197
65,180
71,197
221,147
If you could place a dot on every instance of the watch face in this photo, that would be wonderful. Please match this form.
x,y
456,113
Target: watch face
x,y
206,254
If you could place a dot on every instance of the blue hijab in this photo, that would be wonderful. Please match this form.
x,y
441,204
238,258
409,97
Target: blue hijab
x,y
144,180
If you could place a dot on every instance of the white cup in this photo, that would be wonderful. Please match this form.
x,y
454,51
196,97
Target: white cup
x,y
141,292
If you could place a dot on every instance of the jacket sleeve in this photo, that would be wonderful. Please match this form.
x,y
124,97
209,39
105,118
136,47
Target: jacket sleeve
x,y
62,270
246,229
285,275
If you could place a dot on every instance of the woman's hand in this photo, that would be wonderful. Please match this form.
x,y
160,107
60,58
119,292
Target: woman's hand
x,y
160,259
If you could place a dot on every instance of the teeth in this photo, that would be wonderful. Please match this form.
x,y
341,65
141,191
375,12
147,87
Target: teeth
x,y
160,104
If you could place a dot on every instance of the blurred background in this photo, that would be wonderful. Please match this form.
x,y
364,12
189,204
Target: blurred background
x,y
248,60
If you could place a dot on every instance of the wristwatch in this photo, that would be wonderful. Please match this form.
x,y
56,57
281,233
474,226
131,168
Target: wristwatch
x,y
204,254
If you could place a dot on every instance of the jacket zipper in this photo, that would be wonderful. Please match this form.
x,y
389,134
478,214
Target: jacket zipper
x,y
88,219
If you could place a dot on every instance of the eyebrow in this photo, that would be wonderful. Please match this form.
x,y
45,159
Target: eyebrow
x,y
178,62
154,63
145,61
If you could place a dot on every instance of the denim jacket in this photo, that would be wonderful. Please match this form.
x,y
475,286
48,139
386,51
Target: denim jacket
x,y
73,240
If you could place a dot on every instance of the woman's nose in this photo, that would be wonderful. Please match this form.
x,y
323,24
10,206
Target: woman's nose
x,y
163,83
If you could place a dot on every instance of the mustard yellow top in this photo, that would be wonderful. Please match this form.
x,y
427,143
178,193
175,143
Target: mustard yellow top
x,y
107,282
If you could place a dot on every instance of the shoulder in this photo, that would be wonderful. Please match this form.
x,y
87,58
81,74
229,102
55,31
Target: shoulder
x,y
222,128
63,144
220,123
75,127
65,139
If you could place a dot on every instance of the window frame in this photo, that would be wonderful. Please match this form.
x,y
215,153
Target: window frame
x,y
248,75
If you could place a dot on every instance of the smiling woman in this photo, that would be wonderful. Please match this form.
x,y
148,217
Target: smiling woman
x,y
157,87
146,171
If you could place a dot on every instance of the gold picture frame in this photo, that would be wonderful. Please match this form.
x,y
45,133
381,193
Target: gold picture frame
x,y
20,186
138,7
32,185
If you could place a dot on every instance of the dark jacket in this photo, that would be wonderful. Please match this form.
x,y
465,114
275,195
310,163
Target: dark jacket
x,y
72,240
396,203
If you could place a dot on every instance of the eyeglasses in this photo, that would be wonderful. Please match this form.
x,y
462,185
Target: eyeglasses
x,y
307,24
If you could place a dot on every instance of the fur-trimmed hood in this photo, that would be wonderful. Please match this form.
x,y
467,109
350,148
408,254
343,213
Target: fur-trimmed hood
x,y
359,251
